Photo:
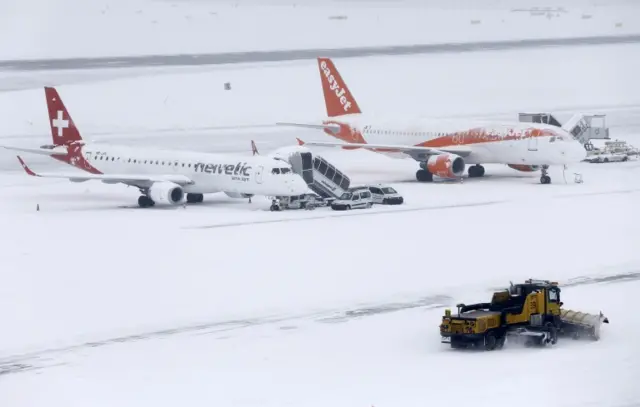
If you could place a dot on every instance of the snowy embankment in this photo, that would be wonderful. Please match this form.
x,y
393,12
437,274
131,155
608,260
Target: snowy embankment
x,y
174,108
75,28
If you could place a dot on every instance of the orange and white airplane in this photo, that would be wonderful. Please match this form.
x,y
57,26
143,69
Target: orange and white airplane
x,y
442,147
162,176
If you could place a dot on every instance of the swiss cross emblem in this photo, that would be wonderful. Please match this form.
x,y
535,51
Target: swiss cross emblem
x,y
60,123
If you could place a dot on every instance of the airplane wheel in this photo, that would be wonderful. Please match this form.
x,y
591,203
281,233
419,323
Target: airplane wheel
x,y
545,179
424,176
476,171
145,202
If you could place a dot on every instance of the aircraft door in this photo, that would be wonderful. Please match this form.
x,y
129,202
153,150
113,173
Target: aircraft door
x,y
532,143
258,173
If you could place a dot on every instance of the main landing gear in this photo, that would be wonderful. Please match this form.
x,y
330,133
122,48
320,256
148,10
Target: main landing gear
x,y
424,175
476,171
194,198
145,202
545,178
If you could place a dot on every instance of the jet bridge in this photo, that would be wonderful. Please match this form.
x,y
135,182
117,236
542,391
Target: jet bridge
x,y
320,175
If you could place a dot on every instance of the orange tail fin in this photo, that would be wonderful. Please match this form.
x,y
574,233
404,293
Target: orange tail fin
x,y
337,97
63,130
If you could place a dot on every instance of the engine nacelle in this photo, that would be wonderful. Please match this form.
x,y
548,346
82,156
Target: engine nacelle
x,y
237,195
446,165
524,167
166,192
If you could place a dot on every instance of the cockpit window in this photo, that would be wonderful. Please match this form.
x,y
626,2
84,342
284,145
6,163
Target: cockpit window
x,y
285,170
275,171
552,139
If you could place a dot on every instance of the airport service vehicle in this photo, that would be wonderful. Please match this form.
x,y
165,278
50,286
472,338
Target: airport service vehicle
x,y
358,198
442,148
162,176
304,201
385,195
530,313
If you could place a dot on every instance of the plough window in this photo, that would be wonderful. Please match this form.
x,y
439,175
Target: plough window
x,y
553,295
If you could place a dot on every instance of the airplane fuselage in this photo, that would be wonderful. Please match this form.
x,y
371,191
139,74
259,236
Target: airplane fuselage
x,y
209,172
490,142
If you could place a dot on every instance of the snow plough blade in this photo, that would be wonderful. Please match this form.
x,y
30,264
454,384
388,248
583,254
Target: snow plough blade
x,y
581,325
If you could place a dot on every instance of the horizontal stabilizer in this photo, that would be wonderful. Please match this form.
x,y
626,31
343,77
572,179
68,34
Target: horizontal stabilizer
x,y
40,151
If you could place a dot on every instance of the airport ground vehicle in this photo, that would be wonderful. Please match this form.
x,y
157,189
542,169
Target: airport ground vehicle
x,y
304,201
385,195
358,198
528,313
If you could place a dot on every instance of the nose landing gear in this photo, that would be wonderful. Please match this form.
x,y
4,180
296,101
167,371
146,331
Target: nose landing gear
x,y
545,178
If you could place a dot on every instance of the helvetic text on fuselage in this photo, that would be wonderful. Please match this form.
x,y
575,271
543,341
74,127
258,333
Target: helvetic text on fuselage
x,y
238,171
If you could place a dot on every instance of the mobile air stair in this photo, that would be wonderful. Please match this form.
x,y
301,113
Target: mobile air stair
x,y
323,178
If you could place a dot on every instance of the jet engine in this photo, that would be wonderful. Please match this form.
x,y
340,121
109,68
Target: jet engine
x,y
166,192
446,165
237,195
524,167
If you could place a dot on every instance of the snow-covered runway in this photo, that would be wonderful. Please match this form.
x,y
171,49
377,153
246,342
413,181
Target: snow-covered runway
x,y
228,304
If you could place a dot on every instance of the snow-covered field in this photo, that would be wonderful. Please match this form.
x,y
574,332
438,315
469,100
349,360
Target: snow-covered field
x,y
71,28
228,304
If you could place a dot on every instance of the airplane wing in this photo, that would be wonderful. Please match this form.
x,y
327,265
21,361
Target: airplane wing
x,y
462,151
131,179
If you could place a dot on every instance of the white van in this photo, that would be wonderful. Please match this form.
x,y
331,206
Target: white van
x,y
385,195
356,199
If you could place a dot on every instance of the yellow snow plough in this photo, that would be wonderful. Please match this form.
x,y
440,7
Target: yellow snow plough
x,y
530,313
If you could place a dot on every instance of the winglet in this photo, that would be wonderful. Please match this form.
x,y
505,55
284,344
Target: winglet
x,y
254,149
26,168
300,142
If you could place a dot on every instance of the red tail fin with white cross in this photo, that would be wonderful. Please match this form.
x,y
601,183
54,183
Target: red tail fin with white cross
x,y
337,97
63,130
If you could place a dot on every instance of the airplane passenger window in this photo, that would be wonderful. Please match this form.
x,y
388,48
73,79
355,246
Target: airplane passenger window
x,y
134,161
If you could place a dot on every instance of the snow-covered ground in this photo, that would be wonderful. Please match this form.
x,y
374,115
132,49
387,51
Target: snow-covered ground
x,y
71,28
228,304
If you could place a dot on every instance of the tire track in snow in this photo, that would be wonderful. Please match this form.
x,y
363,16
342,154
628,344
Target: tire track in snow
x,y
51,357
47,358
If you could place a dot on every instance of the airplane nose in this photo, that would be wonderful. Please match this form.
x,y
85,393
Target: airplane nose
x,y
298,186
578,152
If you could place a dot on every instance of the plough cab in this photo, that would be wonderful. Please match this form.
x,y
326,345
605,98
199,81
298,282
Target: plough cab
x,y
528,313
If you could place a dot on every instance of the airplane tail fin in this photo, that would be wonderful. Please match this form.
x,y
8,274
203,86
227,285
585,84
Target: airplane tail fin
x,y
63,129
254,149
337,97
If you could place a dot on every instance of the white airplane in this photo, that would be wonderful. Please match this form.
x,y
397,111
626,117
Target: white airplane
x,y
442,148
163,176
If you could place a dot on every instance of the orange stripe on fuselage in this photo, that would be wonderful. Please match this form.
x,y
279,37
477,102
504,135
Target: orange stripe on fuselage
x,y
350,134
